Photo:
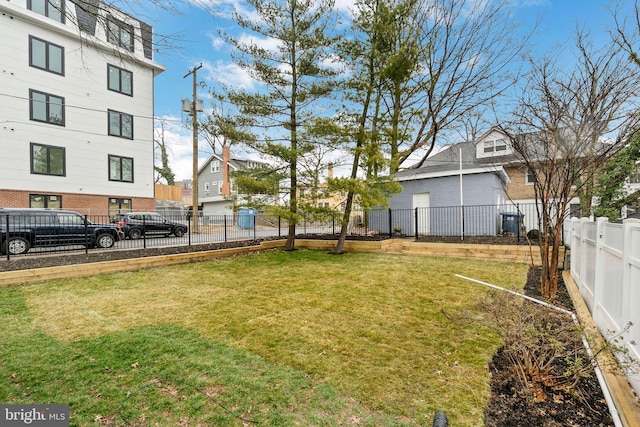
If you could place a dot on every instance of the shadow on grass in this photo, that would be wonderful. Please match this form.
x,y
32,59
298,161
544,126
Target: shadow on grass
x,y
166,374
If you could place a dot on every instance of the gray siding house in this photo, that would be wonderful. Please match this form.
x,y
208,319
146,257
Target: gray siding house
x,y
216,190
468,174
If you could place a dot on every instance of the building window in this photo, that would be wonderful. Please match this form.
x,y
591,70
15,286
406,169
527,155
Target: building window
x,y
45,201
120,169
634,177
46,56
495,146
206,187
47,160
117,206
530,177
575,211
120,80
215,166
219,187
120,34
47,108
120,124
53,9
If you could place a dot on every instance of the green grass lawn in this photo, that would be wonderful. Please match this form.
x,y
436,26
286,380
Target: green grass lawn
x,y
275,338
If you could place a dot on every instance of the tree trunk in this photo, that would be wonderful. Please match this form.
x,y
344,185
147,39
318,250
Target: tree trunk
x,y
339,249
549,253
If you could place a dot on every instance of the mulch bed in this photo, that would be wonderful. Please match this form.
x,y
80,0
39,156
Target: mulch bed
x,y
510,403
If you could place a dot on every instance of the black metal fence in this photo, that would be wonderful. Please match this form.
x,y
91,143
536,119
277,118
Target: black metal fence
x,y
36,232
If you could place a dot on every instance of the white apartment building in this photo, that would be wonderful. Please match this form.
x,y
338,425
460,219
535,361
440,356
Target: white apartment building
x,y
76,107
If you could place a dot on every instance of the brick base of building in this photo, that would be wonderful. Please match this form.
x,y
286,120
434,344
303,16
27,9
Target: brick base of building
x,y
85,204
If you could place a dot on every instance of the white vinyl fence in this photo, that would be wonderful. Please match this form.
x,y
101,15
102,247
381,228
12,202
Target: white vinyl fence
x,y
605,264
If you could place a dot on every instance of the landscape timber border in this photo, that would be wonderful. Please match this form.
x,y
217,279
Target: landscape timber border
x,y
504,253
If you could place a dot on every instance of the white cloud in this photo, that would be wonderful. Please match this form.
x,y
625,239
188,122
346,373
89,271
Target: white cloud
x,y
229,74
267,43
345,5
216,42
179,142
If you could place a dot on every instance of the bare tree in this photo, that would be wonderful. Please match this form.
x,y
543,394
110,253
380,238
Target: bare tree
x,y
558,132
164,171
465,52
627,29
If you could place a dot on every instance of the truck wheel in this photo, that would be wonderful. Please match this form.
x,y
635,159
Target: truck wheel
x,y
105,240
16,246
135,233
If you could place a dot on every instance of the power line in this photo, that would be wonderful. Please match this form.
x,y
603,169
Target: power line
x,y
94,109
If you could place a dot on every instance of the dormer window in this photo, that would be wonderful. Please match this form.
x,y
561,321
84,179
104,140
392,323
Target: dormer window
x,y
495,146
492,146
120,34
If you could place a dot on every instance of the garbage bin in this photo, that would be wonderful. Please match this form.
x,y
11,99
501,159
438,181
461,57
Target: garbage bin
x,y
511,222
246,217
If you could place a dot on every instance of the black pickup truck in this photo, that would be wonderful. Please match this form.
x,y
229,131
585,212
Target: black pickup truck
x,y
23,229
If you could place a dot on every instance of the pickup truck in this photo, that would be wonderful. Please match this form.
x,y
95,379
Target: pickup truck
x,y
23,229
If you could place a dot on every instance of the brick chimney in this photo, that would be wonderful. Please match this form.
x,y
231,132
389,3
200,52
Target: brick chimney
x,y
330,171
226,184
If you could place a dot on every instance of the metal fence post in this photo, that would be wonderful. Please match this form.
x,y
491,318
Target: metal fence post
x,y
390,224
224,221
86,235
6,237
518,219
254,226
144,234
416,224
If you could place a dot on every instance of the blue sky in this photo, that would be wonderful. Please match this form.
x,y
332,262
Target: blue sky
x,y
200,43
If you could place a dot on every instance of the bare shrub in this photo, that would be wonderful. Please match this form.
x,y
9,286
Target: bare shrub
x,y
544,346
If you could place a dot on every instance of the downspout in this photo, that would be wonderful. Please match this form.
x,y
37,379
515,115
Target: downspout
x,y
603,385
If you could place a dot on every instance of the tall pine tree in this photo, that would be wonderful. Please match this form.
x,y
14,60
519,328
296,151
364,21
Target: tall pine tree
x,y
293,80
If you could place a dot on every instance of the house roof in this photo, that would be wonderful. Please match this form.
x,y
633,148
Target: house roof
x,y
234,162
447,163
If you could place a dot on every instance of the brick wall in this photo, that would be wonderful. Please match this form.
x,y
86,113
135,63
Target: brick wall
x,y
518,189
81,203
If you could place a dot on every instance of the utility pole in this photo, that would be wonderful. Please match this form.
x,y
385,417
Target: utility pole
x,y
194,184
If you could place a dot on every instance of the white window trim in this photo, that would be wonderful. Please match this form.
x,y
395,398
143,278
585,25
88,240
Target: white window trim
x,y
527,173
215,166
